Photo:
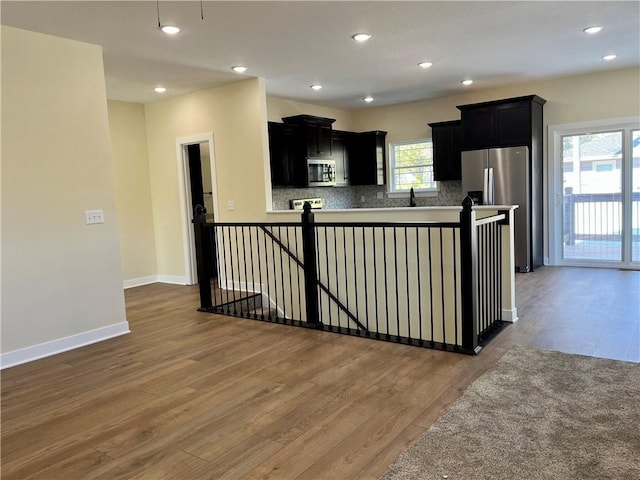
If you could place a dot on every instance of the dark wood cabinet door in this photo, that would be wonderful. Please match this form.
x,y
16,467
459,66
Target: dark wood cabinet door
x,y
477,128
316,132
278,157
324,140
512,124
367,159
286,157
447,143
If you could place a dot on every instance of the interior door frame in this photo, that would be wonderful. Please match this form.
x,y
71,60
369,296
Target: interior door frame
x,y
555,190
184,187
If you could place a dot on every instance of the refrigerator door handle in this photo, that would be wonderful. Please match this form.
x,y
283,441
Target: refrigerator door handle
x,y
487,189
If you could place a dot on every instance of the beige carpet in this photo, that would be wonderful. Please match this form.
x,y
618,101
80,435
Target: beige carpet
x,y
535,415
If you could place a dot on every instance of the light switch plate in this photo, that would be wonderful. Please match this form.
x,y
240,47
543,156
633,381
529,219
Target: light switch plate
x,y
92,217
231,205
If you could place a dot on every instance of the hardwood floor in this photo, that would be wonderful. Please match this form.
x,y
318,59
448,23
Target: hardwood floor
x,y
190,395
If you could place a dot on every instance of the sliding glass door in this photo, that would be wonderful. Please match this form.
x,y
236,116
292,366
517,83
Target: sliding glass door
x,y
596,195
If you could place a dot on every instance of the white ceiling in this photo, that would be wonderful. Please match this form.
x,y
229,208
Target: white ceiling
x,y
298,43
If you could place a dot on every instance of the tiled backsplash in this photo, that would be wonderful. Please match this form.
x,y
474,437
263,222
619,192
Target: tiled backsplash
x,y
450,194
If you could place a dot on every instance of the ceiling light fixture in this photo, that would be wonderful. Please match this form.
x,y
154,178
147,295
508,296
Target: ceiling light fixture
x,y
160,89
593,29
169,29
239,69
316,87
467,82
361,37
425,64
368,99
609,57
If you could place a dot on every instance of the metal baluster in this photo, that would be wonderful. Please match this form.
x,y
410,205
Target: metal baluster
x,y
284,300
419,268
431,319
235,304
275,276
253,276
291,277
346,278
444,327
355,272
257,230
219,232
320,311
326,253
406,267
364,271
395,269
246,275
386,283
299,249
375,280
455,289
335,252
266,264
231,269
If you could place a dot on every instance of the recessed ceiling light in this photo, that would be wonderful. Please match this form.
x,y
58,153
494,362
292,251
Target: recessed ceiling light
x,y
160,89
239,69
425,64
592,30
316,87
609,57
368,99
467,82
361,37
169,29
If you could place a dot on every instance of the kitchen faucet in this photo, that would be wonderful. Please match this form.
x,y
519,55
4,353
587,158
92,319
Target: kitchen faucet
x,y
412,198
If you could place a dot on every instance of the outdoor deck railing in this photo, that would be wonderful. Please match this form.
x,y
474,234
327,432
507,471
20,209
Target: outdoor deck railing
x,y
596,216
431,284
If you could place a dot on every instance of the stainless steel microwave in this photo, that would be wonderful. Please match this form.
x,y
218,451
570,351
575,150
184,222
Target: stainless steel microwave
x,y
321,172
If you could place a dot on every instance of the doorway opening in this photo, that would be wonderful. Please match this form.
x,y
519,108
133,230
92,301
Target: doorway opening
x,y
196,167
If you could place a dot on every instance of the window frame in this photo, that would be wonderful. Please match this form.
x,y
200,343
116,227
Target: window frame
x,y
392,190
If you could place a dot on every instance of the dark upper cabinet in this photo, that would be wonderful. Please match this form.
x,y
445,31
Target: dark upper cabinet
x,y
287,169
360,157
316,132
447,145
501,123
367,158
340,153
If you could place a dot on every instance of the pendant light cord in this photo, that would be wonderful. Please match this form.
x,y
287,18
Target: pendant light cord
x,y
158,10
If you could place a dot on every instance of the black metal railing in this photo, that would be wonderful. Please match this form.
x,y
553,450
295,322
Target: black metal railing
x,y
432,284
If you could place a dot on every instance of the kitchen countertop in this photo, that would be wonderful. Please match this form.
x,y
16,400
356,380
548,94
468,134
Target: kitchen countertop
x,y
452,208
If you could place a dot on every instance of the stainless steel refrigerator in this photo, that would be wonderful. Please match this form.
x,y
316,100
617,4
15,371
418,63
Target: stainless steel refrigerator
x,y
502,176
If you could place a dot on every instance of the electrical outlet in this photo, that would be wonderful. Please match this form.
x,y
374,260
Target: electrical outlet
x,y
92,217
380,195
362,199
231,205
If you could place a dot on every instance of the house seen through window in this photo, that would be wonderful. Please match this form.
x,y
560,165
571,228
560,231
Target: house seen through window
x,y
411,166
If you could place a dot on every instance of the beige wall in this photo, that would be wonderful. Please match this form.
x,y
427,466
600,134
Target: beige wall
x,y
595,96
60,277
236,114
132,190
279,107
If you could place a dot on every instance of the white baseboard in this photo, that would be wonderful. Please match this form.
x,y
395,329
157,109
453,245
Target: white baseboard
x,y
138,282
60,345
510,315
174,279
